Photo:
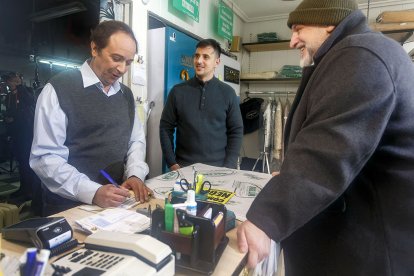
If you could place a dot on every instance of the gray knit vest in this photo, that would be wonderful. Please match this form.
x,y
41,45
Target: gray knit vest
x,y
99,127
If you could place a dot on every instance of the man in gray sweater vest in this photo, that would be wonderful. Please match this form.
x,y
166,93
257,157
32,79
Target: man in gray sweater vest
x,y
85,122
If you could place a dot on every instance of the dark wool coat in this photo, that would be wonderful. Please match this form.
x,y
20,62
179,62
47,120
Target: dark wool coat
x,y
343,203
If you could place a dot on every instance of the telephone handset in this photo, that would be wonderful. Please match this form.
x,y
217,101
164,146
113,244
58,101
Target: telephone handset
x,y
112,253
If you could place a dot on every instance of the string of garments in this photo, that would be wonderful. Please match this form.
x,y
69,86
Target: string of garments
x,y
274,120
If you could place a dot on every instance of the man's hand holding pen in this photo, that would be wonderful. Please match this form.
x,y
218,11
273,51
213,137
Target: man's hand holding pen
x,y
113,195
110,196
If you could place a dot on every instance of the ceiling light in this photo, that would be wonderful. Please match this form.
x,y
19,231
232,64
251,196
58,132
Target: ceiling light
x,y
57,11
55,62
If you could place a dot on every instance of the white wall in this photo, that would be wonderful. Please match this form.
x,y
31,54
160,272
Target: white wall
x,y
205,28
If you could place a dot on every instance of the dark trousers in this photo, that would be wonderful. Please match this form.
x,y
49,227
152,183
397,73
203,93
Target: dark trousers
x,y
46,203
29,182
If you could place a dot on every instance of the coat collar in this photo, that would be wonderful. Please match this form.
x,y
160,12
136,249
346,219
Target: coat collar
x,y
353,23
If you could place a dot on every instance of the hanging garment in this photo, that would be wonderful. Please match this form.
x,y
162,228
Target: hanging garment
x,y
272,130
286,111
267,124
278,131
250,110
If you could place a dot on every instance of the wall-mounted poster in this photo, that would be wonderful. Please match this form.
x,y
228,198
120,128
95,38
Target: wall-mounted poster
x,y
189,7
225,21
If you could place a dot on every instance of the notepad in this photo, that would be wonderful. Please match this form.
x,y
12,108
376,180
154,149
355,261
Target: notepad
x,y
116,220
129,203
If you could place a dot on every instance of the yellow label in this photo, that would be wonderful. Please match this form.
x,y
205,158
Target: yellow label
x,y
219,196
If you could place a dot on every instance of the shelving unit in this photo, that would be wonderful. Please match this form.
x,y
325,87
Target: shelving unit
x,y
277,80
398,25
267,46
399,32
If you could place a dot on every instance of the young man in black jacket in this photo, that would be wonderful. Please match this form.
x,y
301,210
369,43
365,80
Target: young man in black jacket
x,y
206,115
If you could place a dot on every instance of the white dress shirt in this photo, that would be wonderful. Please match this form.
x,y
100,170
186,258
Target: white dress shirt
x,y
49,155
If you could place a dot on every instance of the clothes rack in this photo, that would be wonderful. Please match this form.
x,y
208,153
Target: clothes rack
x,y
273,126
264,155
271,93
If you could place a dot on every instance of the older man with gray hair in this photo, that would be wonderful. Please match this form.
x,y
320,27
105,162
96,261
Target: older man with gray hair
x,y
343,201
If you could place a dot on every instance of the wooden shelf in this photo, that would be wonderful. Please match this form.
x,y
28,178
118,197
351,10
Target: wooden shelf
x,y
270,46
277,80
401,32
267,46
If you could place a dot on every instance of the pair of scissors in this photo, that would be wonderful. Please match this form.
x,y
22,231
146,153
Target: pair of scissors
x,y
201,187
185,185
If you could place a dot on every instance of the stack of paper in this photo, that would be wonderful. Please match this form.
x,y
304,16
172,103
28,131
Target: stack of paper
x,y
116,220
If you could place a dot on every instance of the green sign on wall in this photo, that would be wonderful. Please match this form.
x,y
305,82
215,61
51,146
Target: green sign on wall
x,y
189,7
225,21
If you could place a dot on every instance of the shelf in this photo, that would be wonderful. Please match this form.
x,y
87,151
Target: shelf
x,y
401,32
267,46
278,80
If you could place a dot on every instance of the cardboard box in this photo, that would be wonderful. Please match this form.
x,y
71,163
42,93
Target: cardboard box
x,y
236,44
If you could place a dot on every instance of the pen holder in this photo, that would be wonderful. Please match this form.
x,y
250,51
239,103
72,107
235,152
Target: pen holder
x,y
200,251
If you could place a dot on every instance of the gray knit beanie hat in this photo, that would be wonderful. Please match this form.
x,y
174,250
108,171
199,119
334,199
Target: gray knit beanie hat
x,y
321,12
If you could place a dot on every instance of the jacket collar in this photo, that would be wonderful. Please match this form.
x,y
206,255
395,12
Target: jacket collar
x,y
352,24
196,82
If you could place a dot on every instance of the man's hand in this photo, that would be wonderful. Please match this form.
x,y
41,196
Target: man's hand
x,y
175,167
142,192
109,196
254,241
275,173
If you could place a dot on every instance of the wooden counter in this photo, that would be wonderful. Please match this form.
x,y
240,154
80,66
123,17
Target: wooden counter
x,y
227,265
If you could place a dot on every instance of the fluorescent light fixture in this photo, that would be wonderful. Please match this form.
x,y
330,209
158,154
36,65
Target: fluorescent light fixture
x,y
55,62
57,11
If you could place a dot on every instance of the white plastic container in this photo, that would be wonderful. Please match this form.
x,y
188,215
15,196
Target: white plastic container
x,y
191,203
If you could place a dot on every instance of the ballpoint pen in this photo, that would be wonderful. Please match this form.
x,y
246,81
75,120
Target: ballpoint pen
x,y
109,178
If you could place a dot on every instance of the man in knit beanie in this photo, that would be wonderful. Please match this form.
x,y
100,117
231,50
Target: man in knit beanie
x,y
322,16
343,199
